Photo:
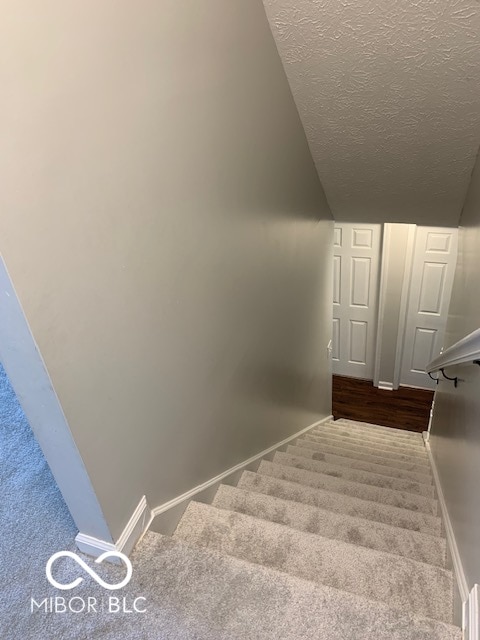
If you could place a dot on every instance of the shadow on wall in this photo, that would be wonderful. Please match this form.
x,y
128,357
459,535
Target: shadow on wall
x,y
34,520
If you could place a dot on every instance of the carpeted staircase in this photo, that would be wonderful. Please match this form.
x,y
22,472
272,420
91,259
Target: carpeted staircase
x,y
342,527
336,538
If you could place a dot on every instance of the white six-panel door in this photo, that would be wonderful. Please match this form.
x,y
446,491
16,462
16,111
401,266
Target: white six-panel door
x,y
433,267
355,294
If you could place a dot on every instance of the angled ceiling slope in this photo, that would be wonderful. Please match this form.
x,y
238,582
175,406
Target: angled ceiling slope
x,y
389,95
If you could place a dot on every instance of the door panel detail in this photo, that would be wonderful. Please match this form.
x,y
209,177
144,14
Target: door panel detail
x,y
358,342
432,288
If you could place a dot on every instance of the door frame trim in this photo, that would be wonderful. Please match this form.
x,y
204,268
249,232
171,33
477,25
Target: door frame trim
x,y
385,235
404,296
402,321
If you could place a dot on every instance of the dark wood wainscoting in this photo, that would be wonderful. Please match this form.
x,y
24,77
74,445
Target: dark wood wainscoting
x,y
405,408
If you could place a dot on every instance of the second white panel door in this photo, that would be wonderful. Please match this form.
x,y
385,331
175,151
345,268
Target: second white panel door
x,y
355,285
433,268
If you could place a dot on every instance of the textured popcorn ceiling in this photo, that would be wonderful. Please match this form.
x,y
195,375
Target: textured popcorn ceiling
x,y
389,95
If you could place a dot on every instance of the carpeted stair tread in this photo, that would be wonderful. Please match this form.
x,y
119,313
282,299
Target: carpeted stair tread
x,y
213,596
328,524
354,475
391,432
346,432
354,453
368,447
344,504
375,443
339,485
400,582
400,436
388,456
359,464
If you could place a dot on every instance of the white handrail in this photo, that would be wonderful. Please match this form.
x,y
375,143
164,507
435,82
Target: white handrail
x,y
465,350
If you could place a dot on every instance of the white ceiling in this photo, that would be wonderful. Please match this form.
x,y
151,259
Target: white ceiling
x,y
389,95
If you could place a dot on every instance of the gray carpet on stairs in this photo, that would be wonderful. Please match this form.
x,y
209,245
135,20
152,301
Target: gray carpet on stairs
x,y
296,473
361,476
376,429
422,588
353,510
349,505
300,558
353,463
368,448
347,451
360,517
383,442
199,594
338,526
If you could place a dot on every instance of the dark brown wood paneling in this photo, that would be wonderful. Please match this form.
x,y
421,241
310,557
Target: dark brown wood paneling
x,y
405,408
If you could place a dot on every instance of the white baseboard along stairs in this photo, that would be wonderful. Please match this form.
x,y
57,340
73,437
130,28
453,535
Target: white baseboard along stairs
x,y
338,537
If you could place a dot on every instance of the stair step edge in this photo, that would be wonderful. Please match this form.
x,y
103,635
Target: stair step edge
x,y
302,603
373,574
361,476
323,498
419,461
354,454
420,457
345,432
315,520
374,467
371,426
363,491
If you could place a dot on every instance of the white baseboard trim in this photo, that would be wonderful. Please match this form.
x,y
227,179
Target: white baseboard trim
x,y
167,515
386,386
93,546
134,530
471,615
458,570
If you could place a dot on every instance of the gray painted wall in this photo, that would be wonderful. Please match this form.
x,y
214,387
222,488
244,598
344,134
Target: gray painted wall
x,y
167,235
455,430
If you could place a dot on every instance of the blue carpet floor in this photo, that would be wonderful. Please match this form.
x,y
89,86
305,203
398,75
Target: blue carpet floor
x,y
34,520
